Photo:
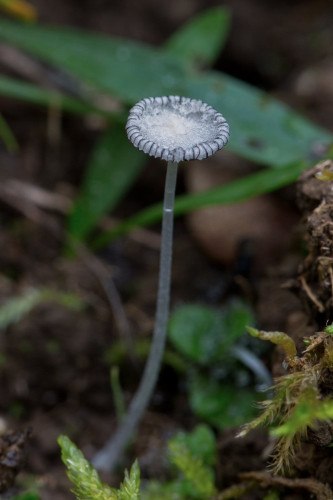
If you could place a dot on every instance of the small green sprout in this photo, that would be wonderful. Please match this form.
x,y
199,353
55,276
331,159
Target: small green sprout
x,y
193,468
279,338
86,481
329,329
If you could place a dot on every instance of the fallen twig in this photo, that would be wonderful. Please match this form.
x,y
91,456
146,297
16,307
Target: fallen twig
x,y
265,480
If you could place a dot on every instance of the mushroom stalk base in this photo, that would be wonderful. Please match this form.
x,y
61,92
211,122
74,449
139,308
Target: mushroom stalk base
x,y
107,458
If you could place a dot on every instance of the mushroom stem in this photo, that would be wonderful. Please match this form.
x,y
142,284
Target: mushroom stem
x,y
106,458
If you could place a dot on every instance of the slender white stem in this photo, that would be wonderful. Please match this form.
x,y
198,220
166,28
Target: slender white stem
x,y
106,458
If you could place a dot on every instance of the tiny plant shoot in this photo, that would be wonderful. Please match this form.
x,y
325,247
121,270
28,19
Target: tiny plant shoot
x,y
174,129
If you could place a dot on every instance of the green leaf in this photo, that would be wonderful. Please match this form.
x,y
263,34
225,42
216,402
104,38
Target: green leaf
x,y
7,136
201,443
221,405
234,192
237,314
112,169
199,41
204,334
18,89
126,69
262,128
86,481
196,331
117,393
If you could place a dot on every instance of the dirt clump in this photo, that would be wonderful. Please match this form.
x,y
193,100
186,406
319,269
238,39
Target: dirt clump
x,y
12,456
315,198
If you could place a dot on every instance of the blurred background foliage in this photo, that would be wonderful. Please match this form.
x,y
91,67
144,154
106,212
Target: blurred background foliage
x,y
19,8
103,76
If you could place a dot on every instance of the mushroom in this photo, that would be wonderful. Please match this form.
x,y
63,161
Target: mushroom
x,y
175,129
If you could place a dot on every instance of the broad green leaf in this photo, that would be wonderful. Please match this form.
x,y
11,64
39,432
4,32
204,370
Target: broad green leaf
x,y
113,167
237,315
197,332
221,405
204,334
126,69
7,136
18,89
253,185
262,128
201,39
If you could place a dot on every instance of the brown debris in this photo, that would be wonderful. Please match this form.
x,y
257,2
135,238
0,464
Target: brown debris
x,y
320,490
236,490
12,456
222,230
240,455
315,198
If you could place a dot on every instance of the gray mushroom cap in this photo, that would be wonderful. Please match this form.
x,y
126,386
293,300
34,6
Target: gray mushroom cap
x,y
176,128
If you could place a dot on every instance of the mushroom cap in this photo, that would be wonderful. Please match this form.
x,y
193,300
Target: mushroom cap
x,y
176,128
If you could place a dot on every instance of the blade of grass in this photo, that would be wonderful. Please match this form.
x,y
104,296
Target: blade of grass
x,y
111,171
18,89
199,41
106,63
7,136
248,187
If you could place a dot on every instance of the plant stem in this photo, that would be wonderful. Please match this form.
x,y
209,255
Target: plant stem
x,y
106,458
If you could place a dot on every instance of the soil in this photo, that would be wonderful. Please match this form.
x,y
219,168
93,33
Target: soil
x,y
54,363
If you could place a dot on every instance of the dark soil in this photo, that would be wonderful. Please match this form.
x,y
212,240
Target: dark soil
x,y
54,375
316,201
